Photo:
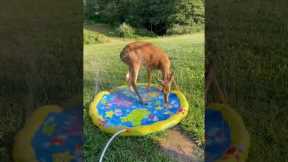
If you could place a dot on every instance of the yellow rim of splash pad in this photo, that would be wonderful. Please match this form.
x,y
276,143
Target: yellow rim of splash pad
x,y
22,149
239,133
138,130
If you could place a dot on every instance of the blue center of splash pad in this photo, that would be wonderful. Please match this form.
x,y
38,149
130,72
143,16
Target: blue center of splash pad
x,y
121,107
59,138
218,135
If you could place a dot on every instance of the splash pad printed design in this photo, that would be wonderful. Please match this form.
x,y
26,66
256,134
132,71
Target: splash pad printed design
x,y
51,135
227,139
120,108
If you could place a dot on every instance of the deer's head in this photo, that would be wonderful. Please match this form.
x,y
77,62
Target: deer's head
x,y
166,86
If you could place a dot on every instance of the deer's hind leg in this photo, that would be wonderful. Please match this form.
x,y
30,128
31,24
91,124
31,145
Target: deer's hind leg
x,y
129,79
134,71
128,76
149,77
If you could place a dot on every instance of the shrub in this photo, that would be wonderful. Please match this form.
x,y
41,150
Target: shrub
x,y
184,29
144,32
125,31
90,37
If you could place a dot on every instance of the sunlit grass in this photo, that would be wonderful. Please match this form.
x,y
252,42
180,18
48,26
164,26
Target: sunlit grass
x,y
103,69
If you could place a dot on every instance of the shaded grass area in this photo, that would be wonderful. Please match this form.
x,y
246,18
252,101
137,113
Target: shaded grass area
x,y
247,41
103,33
103,69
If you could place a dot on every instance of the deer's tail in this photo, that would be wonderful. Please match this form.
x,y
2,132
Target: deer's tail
x,y
124,55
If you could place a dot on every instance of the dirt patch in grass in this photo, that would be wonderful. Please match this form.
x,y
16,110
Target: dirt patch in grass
x,y
181,148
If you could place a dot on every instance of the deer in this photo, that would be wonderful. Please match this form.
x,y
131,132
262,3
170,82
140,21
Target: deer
x,y
138,54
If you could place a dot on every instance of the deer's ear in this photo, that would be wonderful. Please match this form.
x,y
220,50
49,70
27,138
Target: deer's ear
x,y
162,82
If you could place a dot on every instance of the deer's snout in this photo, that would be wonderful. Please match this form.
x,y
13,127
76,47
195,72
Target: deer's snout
x,y
166,96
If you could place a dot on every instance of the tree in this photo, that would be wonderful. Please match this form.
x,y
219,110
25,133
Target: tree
x,y
188,12
154,15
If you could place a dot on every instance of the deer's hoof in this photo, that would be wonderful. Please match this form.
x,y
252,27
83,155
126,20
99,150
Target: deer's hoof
x,y
142,102
131,89
167,106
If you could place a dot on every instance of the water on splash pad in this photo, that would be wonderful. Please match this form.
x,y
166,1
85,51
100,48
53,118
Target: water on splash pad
x,y
122,108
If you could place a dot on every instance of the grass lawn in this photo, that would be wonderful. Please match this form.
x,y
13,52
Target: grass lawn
x,y
103,69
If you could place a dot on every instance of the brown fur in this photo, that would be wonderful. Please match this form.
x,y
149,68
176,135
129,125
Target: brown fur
x,y
137,54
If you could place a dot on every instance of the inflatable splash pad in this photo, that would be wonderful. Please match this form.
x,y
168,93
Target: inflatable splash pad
x,y
227,139
50,135
121,109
